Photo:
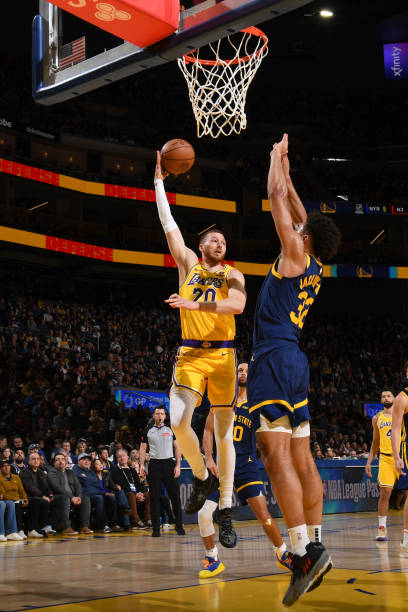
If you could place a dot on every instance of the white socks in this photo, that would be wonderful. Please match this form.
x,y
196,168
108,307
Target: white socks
x,y
405,535
315,533
298,539
223,426
382,521
279,550
213,553
182,404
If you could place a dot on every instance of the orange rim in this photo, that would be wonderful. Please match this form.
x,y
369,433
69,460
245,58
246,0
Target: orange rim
x,y
190,58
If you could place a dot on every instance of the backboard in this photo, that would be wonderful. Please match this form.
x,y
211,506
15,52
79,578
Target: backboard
x,y
205,22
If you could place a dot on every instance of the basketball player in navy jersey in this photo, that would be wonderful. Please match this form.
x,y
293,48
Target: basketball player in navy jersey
x,y
278,376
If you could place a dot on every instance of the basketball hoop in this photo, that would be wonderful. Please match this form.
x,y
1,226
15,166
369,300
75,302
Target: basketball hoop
x,y
218,88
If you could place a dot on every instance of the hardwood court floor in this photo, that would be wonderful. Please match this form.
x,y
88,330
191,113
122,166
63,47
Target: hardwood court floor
x,y
136,573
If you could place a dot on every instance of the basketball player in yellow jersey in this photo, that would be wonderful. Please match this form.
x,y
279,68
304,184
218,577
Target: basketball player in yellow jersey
x,y
387,474
210,294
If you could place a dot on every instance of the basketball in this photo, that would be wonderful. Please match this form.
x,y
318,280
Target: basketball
x,y
177,156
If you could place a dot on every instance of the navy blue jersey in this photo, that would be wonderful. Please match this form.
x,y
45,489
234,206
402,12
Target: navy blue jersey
x,y
244,437
283,303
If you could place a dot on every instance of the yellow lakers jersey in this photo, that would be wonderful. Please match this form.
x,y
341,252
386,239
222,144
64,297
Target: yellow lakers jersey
x,y
201,285
384,424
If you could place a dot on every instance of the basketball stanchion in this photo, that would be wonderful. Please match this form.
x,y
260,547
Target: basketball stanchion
x,y
218,87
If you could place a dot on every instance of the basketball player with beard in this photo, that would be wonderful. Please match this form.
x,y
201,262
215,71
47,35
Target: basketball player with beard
x,y
210,294
387,474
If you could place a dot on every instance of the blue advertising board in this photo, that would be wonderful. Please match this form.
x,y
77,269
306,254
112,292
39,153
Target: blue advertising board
x,y
346,488
396,60
134,397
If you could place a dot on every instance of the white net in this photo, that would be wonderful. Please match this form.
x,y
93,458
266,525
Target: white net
x,y
218,87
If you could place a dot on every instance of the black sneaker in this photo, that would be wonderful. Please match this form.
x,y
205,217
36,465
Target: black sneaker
x,y
180,531
226,534
201,490
155,534
307,571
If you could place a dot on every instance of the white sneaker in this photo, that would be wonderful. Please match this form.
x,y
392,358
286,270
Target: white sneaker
x,y
166,527
22,534
14,536
34,534
107,529
49,530
404,550
3,538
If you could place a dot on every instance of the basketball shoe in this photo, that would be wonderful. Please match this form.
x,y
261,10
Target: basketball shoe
x,y
382,534
285,561
308,570
226,534
212,567
201,490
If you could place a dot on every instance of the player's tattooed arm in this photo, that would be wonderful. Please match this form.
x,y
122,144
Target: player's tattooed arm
x,y
375,446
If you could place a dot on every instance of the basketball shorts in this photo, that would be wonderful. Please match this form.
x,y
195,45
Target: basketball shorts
x,y
214,370
246,484
387,474
402,482
277,385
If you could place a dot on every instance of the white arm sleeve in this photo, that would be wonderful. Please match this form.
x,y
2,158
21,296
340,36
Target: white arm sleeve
x,y
163,207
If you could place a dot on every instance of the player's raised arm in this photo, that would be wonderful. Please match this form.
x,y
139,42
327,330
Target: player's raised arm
x,y
375,446
184,257
400,407
297,210
291,241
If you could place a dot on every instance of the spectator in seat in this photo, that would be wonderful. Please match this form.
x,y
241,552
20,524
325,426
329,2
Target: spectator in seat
x,y
39,495
91,487
18,461
129,482
104,458
66,486
8,523
66,449
12,489
107,487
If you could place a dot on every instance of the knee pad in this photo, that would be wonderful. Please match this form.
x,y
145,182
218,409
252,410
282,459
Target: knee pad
x,y
205,519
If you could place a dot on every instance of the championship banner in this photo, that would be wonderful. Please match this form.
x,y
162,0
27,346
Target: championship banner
x,y
346,488
137,21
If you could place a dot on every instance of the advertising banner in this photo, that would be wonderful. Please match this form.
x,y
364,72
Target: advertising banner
x,y
134,398
346,488
396,60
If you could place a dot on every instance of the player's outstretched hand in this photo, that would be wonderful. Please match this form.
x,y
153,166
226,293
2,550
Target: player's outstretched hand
x,y
176,301
159,172
212,466
368,470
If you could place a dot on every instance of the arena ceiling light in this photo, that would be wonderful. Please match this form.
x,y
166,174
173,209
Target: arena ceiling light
x,y
326,13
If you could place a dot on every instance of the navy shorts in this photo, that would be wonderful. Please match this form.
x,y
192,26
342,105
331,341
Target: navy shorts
x,y
277,385
247,484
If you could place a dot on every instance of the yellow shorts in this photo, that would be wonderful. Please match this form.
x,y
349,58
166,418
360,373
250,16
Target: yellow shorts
x,y
212,369
387,474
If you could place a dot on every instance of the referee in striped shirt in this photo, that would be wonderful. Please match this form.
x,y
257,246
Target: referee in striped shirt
x,y
163,468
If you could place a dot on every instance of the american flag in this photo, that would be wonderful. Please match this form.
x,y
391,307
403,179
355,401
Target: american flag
x,y
72,53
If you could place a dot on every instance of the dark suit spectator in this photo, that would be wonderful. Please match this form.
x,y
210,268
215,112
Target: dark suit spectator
x,y
91,487
39,495
12,489
66,486
129,482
